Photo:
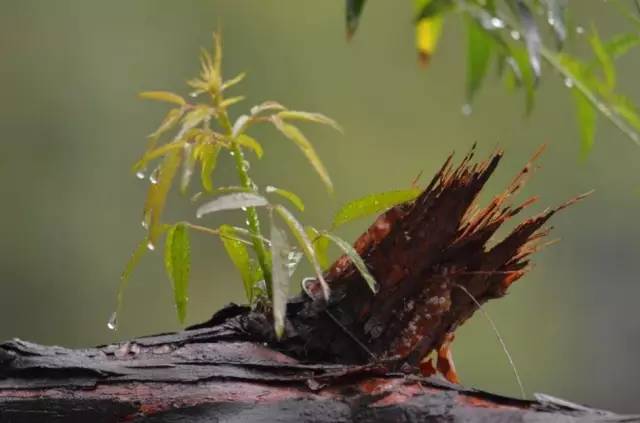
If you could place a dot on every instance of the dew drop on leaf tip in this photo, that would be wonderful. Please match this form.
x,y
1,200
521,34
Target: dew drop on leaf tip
x,y
150,246
579,30
140,174
467,109
568,82
515,35
112,324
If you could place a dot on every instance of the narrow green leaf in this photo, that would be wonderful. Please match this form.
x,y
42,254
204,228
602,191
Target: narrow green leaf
x,y
157,195
303,240
428,8
620,44
169,122
233,81
354,10
478,56
586,114
166,96
557,19
196,116
355,259
292,197
266,106
372,204
606,63
208,160
250,143
625,108
310,117
177,261
295,135
188,165
531,35
231,101
320,245
239,256
139,251
524,73
155,153
231,202
280,274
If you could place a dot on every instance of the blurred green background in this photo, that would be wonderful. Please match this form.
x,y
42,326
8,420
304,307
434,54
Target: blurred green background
x,y
71,126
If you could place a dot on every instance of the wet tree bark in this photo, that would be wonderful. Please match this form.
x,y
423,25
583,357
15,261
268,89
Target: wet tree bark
x,y
361,355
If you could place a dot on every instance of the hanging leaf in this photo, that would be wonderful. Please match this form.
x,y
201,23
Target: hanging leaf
x,y
231,202
303,240
166,96
586,114
177,261
250,143
196,116
188,164
354,10
280,276
478,56
155,153
294,134
524,74
293,198
355,259
239,256
428,32
157,195
141,248
208,160
531,36
373,204
310,117
557,17
320,245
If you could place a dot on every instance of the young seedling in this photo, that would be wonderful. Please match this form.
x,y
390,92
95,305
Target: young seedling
x,y
199,131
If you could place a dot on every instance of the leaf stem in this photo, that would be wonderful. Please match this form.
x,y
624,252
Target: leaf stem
x,y
253,221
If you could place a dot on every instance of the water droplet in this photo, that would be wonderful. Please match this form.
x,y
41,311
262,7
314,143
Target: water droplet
x,y
467,109
246,222
497,23
551,21
568,82
150,246
232,153
145,224
153,177
579,30
244,209
112,324
140,174
269,188
246,165
515,35
193,94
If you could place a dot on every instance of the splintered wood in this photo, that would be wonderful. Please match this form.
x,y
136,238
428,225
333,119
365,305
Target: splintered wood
x,y
434,264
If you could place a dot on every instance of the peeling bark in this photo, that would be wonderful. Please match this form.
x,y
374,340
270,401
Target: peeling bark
x,y
356,358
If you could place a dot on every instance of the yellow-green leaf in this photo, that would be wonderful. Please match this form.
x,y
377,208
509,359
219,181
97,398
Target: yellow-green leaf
x,y
320,245
303,240
292,197
231,101
231,202
250,143
295,135
208,160
606,63
239,256
353,12
196,116
157,195
310,117
177,261
428,32
141,248
233,81
155,153
166,96
355,259
169,122
586,114
372,204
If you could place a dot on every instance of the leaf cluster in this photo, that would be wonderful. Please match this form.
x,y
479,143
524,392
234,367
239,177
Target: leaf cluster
x,y
510,33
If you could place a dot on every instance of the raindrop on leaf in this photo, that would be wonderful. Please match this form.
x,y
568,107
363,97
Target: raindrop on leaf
x,y
579,30
497,23
153,177
140,174
568,82
150,246
467,109
515,35
112,324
